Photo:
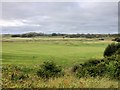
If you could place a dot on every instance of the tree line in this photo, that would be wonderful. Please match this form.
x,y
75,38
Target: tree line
x,y
34,34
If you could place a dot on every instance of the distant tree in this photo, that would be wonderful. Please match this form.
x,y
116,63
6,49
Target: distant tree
x,y
101,39
54,34
30,34
116,39
15,35
23,35
34,34
6,35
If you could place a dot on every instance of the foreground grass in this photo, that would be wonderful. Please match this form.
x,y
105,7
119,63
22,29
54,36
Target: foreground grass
x,y
67,81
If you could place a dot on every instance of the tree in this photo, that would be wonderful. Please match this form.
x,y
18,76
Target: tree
x,y
54,34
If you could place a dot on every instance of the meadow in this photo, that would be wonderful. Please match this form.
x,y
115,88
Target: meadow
x,y
28,53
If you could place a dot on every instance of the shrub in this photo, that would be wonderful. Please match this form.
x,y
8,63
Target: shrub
x,y
91,62
15,73
18,76
92,68
116,39
49,69
101,39
111,49
118,55
108,66
117,71
104,67
76,67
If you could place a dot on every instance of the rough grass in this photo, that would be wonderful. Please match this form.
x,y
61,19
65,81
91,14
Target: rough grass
x,y
67,81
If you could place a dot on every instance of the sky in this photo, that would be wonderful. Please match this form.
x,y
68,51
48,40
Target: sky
x,y
59,17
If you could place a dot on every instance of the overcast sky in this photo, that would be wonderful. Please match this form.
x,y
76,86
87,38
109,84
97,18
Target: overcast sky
x,y
59,17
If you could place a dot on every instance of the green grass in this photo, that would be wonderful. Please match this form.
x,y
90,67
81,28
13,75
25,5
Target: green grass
x,y
21,56
64,52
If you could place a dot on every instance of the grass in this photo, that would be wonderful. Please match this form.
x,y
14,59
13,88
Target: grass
x,y
63,52
67,81
28,54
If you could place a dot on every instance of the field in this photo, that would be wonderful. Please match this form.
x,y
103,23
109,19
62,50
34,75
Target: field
x,y
64,52
28,53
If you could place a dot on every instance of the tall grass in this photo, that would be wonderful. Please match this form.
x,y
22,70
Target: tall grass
x,y
67,81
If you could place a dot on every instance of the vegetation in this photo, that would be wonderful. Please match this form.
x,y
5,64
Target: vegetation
x,y
90,69
31,80
111,49
117,39
63,52
34,34
49,69
109,66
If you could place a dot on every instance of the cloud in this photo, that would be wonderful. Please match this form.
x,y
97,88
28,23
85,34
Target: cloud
x,y
9,23
15,23
61,17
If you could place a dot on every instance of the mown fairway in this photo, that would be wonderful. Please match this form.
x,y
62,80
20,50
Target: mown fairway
x,y
65,52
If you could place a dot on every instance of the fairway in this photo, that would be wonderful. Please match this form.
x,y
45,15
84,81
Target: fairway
x,y
64,52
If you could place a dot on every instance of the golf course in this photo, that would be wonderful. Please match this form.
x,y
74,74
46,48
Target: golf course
x,y
23,56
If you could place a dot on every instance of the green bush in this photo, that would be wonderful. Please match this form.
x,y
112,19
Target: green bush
x,y
106,67
116,39
15,73
49,69
91,68
117,71
111,49
76,67
91,62
18,76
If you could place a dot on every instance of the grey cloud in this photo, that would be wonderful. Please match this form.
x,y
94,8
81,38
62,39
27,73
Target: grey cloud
x,y
62,17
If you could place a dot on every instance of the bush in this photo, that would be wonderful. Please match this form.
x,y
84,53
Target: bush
x,y
108,66
105,67
118,55
49,69
116,39
15,73
18,76
111,49
76,67
101,39
91,68
117,71
92,62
